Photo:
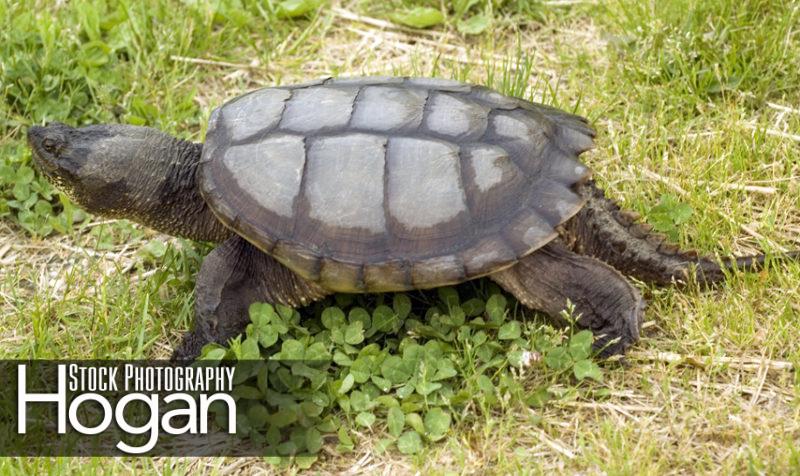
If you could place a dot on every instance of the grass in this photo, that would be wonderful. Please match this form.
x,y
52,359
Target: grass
x,y
696,100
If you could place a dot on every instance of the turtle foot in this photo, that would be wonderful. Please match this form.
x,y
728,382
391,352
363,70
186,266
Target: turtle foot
x,y
604,301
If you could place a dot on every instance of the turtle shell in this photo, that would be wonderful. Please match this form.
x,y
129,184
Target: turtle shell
x,y
389,184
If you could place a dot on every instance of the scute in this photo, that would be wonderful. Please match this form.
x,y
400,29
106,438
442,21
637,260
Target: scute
x,y
493,182
439,84
343,277
254,112
336,167
490,165
518,127
424,184
438,271
490,253
269,170
458,118
389,184
388,108
317,108
527,230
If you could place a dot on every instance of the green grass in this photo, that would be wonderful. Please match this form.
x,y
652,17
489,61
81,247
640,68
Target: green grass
x,y
696,100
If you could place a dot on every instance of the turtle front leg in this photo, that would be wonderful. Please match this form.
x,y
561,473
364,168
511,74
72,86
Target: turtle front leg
x,y
607,303
232,277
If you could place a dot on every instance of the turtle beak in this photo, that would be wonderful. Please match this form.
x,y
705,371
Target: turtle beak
x,y
35,134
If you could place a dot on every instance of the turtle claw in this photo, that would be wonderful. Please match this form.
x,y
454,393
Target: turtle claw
x,y
189,349
619,334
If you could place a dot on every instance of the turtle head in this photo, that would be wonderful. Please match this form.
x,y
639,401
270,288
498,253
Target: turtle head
x,y
106,169
49,145
133,172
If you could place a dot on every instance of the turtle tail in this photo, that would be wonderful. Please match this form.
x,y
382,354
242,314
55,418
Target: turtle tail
x,y
603,230
709,272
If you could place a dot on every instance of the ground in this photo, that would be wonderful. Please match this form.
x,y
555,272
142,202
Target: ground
x,y
697,108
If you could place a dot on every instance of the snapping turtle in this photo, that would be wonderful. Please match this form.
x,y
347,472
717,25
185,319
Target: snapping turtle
x,y
373,185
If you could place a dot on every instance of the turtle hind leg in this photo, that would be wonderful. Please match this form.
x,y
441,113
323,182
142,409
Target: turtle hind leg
x,y
607,303
233,276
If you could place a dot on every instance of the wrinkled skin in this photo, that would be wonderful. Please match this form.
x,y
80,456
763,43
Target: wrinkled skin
x,y
149,177
121,171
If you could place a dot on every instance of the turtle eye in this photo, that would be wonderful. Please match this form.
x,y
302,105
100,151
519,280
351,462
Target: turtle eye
x,y
49,145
